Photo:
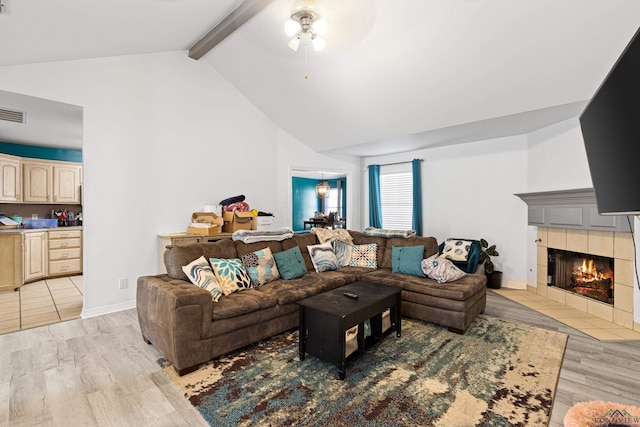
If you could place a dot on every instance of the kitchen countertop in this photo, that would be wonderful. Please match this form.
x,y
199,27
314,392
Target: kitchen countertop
x,y
33,230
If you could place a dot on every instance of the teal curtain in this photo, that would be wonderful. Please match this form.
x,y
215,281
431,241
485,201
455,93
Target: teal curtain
x,y
416,221
375,207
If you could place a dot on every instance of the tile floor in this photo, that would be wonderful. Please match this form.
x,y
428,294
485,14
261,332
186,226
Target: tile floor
x,y
41,303
584,322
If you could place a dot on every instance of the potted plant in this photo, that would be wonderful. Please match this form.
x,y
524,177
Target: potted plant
x,y
494,277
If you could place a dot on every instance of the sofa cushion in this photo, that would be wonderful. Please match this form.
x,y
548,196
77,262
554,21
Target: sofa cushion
x,y
290,291
176,257
290,263
460,290
220,249
261,267
323,257
407,260
240,303
441,269
200,274
247,248
231,274
364,256
430,247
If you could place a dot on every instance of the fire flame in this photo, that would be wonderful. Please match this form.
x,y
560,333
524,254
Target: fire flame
x,y
588,271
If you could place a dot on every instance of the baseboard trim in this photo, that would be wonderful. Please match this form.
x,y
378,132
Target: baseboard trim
x,y
99,311
515,285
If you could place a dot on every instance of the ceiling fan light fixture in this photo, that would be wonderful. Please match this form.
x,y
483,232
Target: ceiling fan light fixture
x,y
291,27
318,43
320,26
306,21
294,43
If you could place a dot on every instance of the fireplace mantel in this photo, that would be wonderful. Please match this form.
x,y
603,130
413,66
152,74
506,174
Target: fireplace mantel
x,y
574,209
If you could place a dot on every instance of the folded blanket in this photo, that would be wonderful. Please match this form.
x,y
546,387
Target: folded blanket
x,y
252,236
327,235
381,232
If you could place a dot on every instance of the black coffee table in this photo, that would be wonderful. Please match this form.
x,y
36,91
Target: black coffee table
x,y
324,319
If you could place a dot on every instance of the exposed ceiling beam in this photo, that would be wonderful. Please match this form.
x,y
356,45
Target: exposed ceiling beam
x,y
241,14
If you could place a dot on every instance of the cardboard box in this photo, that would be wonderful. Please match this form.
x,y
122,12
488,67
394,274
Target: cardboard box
x,y
263,223
351,340
234,221
204,231
205,224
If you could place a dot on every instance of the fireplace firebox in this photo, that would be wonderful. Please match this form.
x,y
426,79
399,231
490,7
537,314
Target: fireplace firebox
x,y
584,274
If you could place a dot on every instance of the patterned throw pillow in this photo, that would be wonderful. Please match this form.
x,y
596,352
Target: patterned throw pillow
x,y
290,263
231,274
441,269
364,256
342,251
457,250
261,267
201,274
407,260
323,257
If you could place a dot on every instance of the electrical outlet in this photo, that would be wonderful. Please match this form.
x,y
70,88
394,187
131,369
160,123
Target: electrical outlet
x,y
123,283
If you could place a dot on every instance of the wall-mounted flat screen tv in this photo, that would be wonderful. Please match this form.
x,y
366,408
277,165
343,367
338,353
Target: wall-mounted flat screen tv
x,y
611,131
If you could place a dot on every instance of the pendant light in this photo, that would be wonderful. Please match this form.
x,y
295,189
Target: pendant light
x,y
322,188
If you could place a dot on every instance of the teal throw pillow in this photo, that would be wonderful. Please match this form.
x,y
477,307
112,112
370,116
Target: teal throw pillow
x,y
407,260
290,263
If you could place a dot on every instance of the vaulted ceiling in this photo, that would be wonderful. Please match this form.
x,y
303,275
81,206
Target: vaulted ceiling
x,y
394,76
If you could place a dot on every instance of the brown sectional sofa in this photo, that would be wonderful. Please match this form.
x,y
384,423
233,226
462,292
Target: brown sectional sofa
x,y
183,323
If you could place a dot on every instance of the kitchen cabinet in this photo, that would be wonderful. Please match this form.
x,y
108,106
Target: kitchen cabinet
x,y
66,183
10,261
45,181
10,179
37,184
65,252
35,256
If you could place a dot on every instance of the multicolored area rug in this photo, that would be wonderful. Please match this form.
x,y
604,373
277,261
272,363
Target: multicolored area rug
x,y
498,374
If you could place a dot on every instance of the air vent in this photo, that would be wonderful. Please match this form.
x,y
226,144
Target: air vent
x,y
12,116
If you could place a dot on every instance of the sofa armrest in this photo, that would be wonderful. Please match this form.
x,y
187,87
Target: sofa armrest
x,y
176,317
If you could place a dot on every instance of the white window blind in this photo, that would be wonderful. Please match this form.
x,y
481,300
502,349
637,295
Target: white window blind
x,y
332,201
396,197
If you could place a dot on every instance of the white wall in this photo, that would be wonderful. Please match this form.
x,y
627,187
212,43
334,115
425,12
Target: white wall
x,y
468,192
163,136
557,159
296,156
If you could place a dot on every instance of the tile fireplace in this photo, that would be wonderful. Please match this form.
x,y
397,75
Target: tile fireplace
x,y
583,274
584,260
592,271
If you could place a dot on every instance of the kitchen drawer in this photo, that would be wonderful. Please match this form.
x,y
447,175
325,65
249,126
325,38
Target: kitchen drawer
x,y
64,243
64,234
64,266
70,253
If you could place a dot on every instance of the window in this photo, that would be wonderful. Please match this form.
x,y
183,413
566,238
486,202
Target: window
x,y
334,202
396,196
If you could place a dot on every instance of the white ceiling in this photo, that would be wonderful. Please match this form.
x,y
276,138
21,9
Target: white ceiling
x,y
395,75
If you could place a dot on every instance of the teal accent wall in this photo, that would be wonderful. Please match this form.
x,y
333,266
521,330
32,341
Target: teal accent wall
x,y
37,152
304,201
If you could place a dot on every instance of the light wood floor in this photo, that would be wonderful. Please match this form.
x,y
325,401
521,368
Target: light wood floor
x,y
99,372
41,303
